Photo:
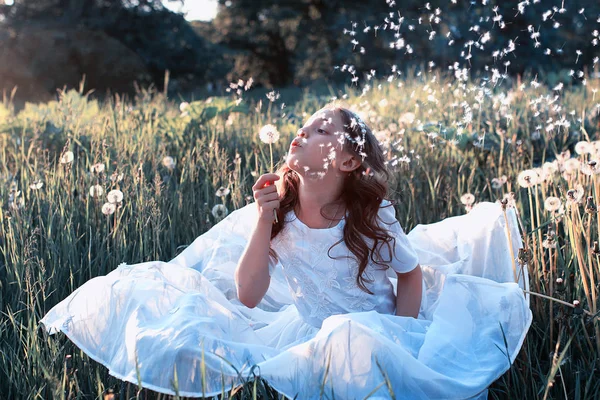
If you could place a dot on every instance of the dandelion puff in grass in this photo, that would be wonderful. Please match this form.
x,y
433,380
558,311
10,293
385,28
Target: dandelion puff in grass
x,y
108,208
98,168
219,211
571,165
67,157
36,185
169,162
552,203
574,196
115,196
496,183
590,168
222,192
528,178
584,147
467,199
183,106
96,191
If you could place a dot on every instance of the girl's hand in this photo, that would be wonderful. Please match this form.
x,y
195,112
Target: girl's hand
x,y
266,196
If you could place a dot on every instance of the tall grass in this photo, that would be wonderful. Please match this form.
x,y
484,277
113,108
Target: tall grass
x,y
54,235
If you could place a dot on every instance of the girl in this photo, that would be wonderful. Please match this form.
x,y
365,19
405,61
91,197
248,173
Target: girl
x,y
330,297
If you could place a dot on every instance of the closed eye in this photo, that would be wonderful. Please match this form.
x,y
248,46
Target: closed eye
x,y
321,130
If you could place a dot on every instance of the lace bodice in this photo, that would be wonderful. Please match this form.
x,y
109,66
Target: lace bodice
x,y
322,286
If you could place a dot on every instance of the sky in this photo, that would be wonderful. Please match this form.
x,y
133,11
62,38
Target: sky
x,y
204,10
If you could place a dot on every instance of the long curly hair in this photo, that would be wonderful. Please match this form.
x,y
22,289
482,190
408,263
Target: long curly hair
x,y
363,191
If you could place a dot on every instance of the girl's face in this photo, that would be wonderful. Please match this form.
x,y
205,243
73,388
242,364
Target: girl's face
x,y
320,143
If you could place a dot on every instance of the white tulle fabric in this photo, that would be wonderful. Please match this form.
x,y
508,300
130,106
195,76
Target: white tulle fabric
x,y
178,326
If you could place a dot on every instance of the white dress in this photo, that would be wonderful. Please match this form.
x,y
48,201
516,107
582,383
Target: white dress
x,y
179,326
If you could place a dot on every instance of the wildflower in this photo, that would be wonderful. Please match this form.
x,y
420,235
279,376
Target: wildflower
x,y
98,168
550,167
407,118
115,196
36,185
467,199
528,178
67,157
571,165
496,183
550,241
584,147
269,134
590,207
590,168
116,177
169,162
108,208
574,196
552,203
183,106
219,211
221,192
96,191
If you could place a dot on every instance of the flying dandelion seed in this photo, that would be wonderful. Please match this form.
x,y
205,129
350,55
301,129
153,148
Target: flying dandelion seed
x,y
219,211
67,157
115,196
552,203
222,192
108,208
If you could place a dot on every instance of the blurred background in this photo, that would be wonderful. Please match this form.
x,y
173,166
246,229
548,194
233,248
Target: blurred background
x,y
115,45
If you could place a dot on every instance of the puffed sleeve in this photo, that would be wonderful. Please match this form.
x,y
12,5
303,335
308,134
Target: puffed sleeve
x,y
405,258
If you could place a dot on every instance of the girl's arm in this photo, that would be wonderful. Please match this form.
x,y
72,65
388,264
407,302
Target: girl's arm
x,y
252,277
408,299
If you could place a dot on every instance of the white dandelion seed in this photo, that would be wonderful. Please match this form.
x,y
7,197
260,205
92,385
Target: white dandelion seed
x,y
115,196
108,208
584,147
269,134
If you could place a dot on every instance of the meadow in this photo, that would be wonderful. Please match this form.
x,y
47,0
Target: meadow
x,y
86,185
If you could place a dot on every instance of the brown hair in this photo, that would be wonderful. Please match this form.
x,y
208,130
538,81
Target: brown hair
x,y
363,191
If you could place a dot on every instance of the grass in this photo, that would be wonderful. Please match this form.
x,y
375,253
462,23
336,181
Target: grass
x,y
444,138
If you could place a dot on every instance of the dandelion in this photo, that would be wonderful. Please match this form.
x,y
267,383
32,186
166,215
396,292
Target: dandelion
x,y
574,196
96,191
183,106
552,203
496,183
590,207
528,178
222,192
115,196
169,162
219,211
67,157
591,168
467,199
584,147
269,134
36,185
571,165
108,208
550,241
115,177
550,168
407,118
98,168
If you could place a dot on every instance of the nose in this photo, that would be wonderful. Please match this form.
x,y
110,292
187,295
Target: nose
x,y
301,133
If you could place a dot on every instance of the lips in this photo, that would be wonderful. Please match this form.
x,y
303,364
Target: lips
x,y
295,144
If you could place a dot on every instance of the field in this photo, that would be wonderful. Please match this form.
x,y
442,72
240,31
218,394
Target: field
x,y
449,143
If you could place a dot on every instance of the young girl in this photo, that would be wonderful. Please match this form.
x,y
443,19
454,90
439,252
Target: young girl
x,y
327,298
